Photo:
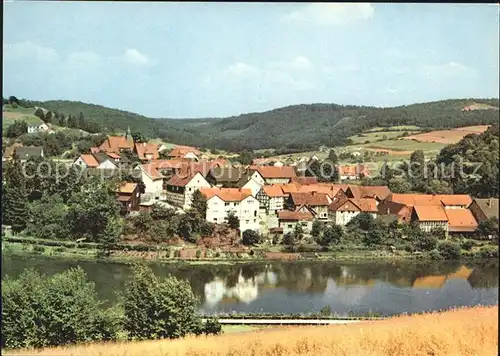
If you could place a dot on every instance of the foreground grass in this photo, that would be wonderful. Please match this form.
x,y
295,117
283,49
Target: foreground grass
x,y
468,331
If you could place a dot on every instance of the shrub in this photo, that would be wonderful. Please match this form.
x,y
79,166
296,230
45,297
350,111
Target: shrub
x,y
487,252
39,249
198,253
467,244
39,311
449,250
435,255
212,326
250,237
159,308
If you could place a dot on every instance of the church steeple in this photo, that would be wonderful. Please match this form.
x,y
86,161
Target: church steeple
x,y
128,135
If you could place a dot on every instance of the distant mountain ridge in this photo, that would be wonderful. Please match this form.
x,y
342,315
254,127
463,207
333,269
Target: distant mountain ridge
x,y
305,126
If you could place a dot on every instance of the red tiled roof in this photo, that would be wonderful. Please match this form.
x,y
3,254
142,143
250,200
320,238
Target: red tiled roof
x,y
147,151
366,205
460,220
275,172
310,198
431,199
294,215
115,143
430,213
273,191
361,191
180,180
305,180
227,194
90,161
181,151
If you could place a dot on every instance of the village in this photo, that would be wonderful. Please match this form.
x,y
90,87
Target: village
x,y
269,198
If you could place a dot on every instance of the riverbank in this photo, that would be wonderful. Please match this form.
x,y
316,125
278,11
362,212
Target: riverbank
x,y
459,332
20,246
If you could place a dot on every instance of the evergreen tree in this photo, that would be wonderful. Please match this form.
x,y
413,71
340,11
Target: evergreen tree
x,y
81,121
199,204
16,200
233,221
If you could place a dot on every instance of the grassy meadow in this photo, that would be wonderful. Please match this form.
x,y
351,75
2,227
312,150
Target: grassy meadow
x,y
459,332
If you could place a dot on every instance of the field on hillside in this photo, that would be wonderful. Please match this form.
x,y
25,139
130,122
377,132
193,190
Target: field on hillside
x,y
460,332
447,136
11,114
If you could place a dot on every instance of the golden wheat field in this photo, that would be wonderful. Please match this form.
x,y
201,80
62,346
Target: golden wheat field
x,y
467,332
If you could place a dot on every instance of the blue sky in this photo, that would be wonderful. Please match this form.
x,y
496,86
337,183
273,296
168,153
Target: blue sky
x,y
220,59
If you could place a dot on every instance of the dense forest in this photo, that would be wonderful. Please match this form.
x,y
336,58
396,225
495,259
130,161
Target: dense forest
x,y
294,127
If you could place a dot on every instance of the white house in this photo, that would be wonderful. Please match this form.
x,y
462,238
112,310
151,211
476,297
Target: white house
x,y
342,211
288,219
253,185
251,180
181,187
276,175
152,179
97,160
271,198
38,128
220,201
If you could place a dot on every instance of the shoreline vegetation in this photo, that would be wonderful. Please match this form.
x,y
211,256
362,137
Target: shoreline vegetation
x,y
438,333
129,253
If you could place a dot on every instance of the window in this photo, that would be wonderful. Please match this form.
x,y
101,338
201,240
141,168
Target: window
x,y
290,226
254,220
303,223
215,219
247,221
137,195
226,204
255,213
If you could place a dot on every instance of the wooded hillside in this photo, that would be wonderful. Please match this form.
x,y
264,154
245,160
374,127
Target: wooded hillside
x,y
296,127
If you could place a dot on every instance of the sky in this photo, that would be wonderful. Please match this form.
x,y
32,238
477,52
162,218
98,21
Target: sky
x,y
180,60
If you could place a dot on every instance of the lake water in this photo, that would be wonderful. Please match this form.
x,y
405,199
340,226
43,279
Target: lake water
x,y
303,287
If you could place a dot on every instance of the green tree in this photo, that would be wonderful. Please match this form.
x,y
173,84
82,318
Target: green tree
x,y
363,220
47,218
333,234
160,212
138,137
399,185
17,129
199,204
40,311
289,239
488,228
317,229
16,199
332,157
157,308
94,214
142,223
449,250
81,121
373,237
245,158
298,231
250,237
232,220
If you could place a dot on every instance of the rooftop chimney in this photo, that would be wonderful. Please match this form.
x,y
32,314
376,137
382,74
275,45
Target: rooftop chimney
x,y
490,202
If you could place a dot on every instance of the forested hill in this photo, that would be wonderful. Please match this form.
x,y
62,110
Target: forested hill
x,y
297,126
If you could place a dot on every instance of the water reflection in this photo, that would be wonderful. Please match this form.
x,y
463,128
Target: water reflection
x,y
387,288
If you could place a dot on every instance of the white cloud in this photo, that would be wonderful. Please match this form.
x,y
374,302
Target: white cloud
x,y
450,69
332,13
240,70
30,50
133,56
